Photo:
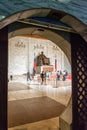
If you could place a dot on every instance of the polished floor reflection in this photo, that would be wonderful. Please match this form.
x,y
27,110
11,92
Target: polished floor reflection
x,y
21,93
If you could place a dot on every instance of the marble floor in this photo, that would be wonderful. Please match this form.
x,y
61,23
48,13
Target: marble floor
x,y
20,89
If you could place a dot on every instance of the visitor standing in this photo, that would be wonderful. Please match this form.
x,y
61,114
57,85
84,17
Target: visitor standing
x,y
42,77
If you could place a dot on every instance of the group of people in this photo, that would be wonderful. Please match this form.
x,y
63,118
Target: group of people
x,y
61,75
44,75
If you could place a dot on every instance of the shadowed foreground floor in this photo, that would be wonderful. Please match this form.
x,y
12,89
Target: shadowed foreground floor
x,y
32,110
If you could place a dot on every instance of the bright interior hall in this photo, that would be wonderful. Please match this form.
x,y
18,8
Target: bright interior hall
x,y
32,105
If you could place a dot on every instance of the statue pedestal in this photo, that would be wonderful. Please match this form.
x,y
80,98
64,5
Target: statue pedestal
x,y
45,68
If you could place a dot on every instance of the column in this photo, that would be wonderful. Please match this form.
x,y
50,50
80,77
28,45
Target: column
x,y
3,77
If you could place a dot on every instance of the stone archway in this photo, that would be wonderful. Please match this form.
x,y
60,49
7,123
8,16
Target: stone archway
x,y
79,68
52,36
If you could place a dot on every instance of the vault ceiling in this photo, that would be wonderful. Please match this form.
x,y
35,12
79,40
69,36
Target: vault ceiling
x,y
77,8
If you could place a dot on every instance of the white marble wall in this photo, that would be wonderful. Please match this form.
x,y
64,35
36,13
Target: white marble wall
x,y
21,54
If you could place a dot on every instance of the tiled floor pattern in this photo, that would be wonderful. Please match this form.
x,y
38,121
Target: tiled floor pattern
x,y
25,91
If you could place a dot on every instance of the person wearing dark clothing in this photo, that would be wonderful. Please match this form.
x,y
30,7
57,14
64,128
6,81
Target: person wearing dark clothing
x,y
34,72
28,76
58,75
42,77
11,77
45,77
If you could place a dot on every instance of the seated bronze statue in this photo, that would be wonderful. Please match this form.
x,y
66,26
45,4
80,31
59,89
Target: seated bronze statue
x,y
42,60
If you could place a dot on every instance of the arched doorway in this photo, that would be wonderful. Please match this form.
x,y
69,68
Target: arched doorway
x,y
79,68
53,89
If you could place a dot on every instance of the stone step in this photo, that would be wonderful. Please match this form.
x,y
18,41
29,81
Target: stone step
x,y
40,128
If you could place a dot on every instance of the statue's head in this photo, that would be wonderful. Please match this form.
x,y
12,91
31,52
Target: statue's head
x,y
42,52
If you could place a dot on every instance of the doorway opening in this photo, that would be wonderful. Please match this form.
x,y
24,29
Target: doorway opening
x,y
52,90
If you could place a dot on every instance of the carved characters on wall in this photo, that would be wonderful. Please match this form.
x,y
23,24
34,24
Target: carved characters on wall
x,y
20,44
